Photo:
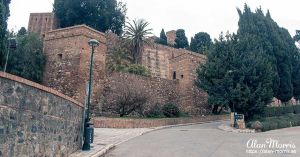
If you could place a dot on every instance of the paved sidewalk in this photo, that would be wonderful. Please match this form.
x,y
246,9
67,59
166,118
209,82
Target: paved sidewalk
x,y
106,138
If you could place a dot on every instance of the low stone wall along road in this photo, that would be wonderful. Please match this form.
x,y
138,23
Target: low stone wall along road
x,y
206,140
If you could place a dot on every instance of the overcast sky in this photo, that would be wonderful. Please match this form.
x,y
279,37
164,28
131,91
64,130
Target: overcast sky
x,y
212,16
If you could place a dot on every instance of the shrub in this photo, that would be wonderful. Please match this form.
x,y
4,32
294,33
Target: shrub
x,y
256,125
138,70
171,110
130,101
297,109
155,112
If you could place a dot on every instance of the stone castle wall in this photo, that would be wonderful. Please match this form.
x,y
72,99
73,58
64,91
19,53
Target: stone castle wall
x,y
68,60
36,120
67,66
164,60
156,90
41,23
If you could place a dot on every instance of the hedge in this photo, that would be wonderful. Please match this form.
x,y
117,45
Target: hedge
x,y
272,123
280,111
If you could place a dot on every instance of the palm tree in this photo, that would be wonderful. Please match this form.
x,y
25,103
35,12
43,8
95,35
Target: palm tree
x,y
137,33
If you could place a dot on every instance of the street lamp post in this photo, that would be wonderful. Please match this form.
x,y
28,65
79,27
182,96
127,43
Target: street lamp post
x,y
234,118
87,129
7,55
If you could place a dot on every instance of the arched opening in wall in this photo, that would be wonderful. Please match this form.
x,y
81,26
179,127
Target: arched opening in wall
x,y
181,76
174,75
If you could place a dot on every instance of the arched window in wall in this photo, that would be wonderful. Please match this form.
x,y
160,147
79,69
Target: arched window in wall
x,y
174,75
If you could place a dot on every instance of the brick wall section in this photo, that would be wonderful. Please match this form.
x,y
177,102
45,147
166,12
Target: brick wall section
x,y
148,123
36,120
68,60
41,23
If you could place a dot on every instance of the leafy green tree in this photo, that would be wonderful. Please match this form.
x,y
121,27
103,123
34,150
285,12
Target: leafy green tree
x,y
163,38
201,42
4,14
181,40
137,33
101,15
28,59
237,76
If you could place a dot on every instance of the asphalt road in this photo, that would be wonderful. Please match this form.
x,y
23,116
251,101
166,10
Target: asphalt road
x,y
206,140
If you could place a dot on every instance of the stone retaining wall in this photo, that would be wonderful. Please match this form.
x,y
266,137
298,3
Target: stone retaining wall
x,y
148,123
36,120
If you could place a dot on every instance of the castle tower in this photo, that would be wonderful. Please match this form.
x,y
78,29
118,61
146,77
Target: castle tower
x,y
68,59
171,36
41,23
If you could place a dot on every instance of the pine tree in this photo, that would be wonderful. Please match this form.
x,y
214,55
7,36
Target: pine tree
x,y
296,69
4,14
296,78
163,38
201,42
297,36
277,44
181,40
237,76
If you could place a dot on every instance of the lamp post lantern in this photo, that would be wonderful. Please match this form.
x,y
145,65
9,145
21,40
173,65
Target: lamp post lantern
x,y
87,129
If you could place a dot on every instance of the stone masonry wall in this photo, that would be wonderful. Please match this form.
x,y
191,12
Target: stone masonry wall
x,y
157,90
164,61
158,59
68,60
36,120
184,67
41,23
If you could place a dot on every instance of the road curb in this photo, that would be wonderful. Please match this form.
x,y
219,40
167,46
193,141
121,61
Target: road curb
x,y
109,147
230,129
104,151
